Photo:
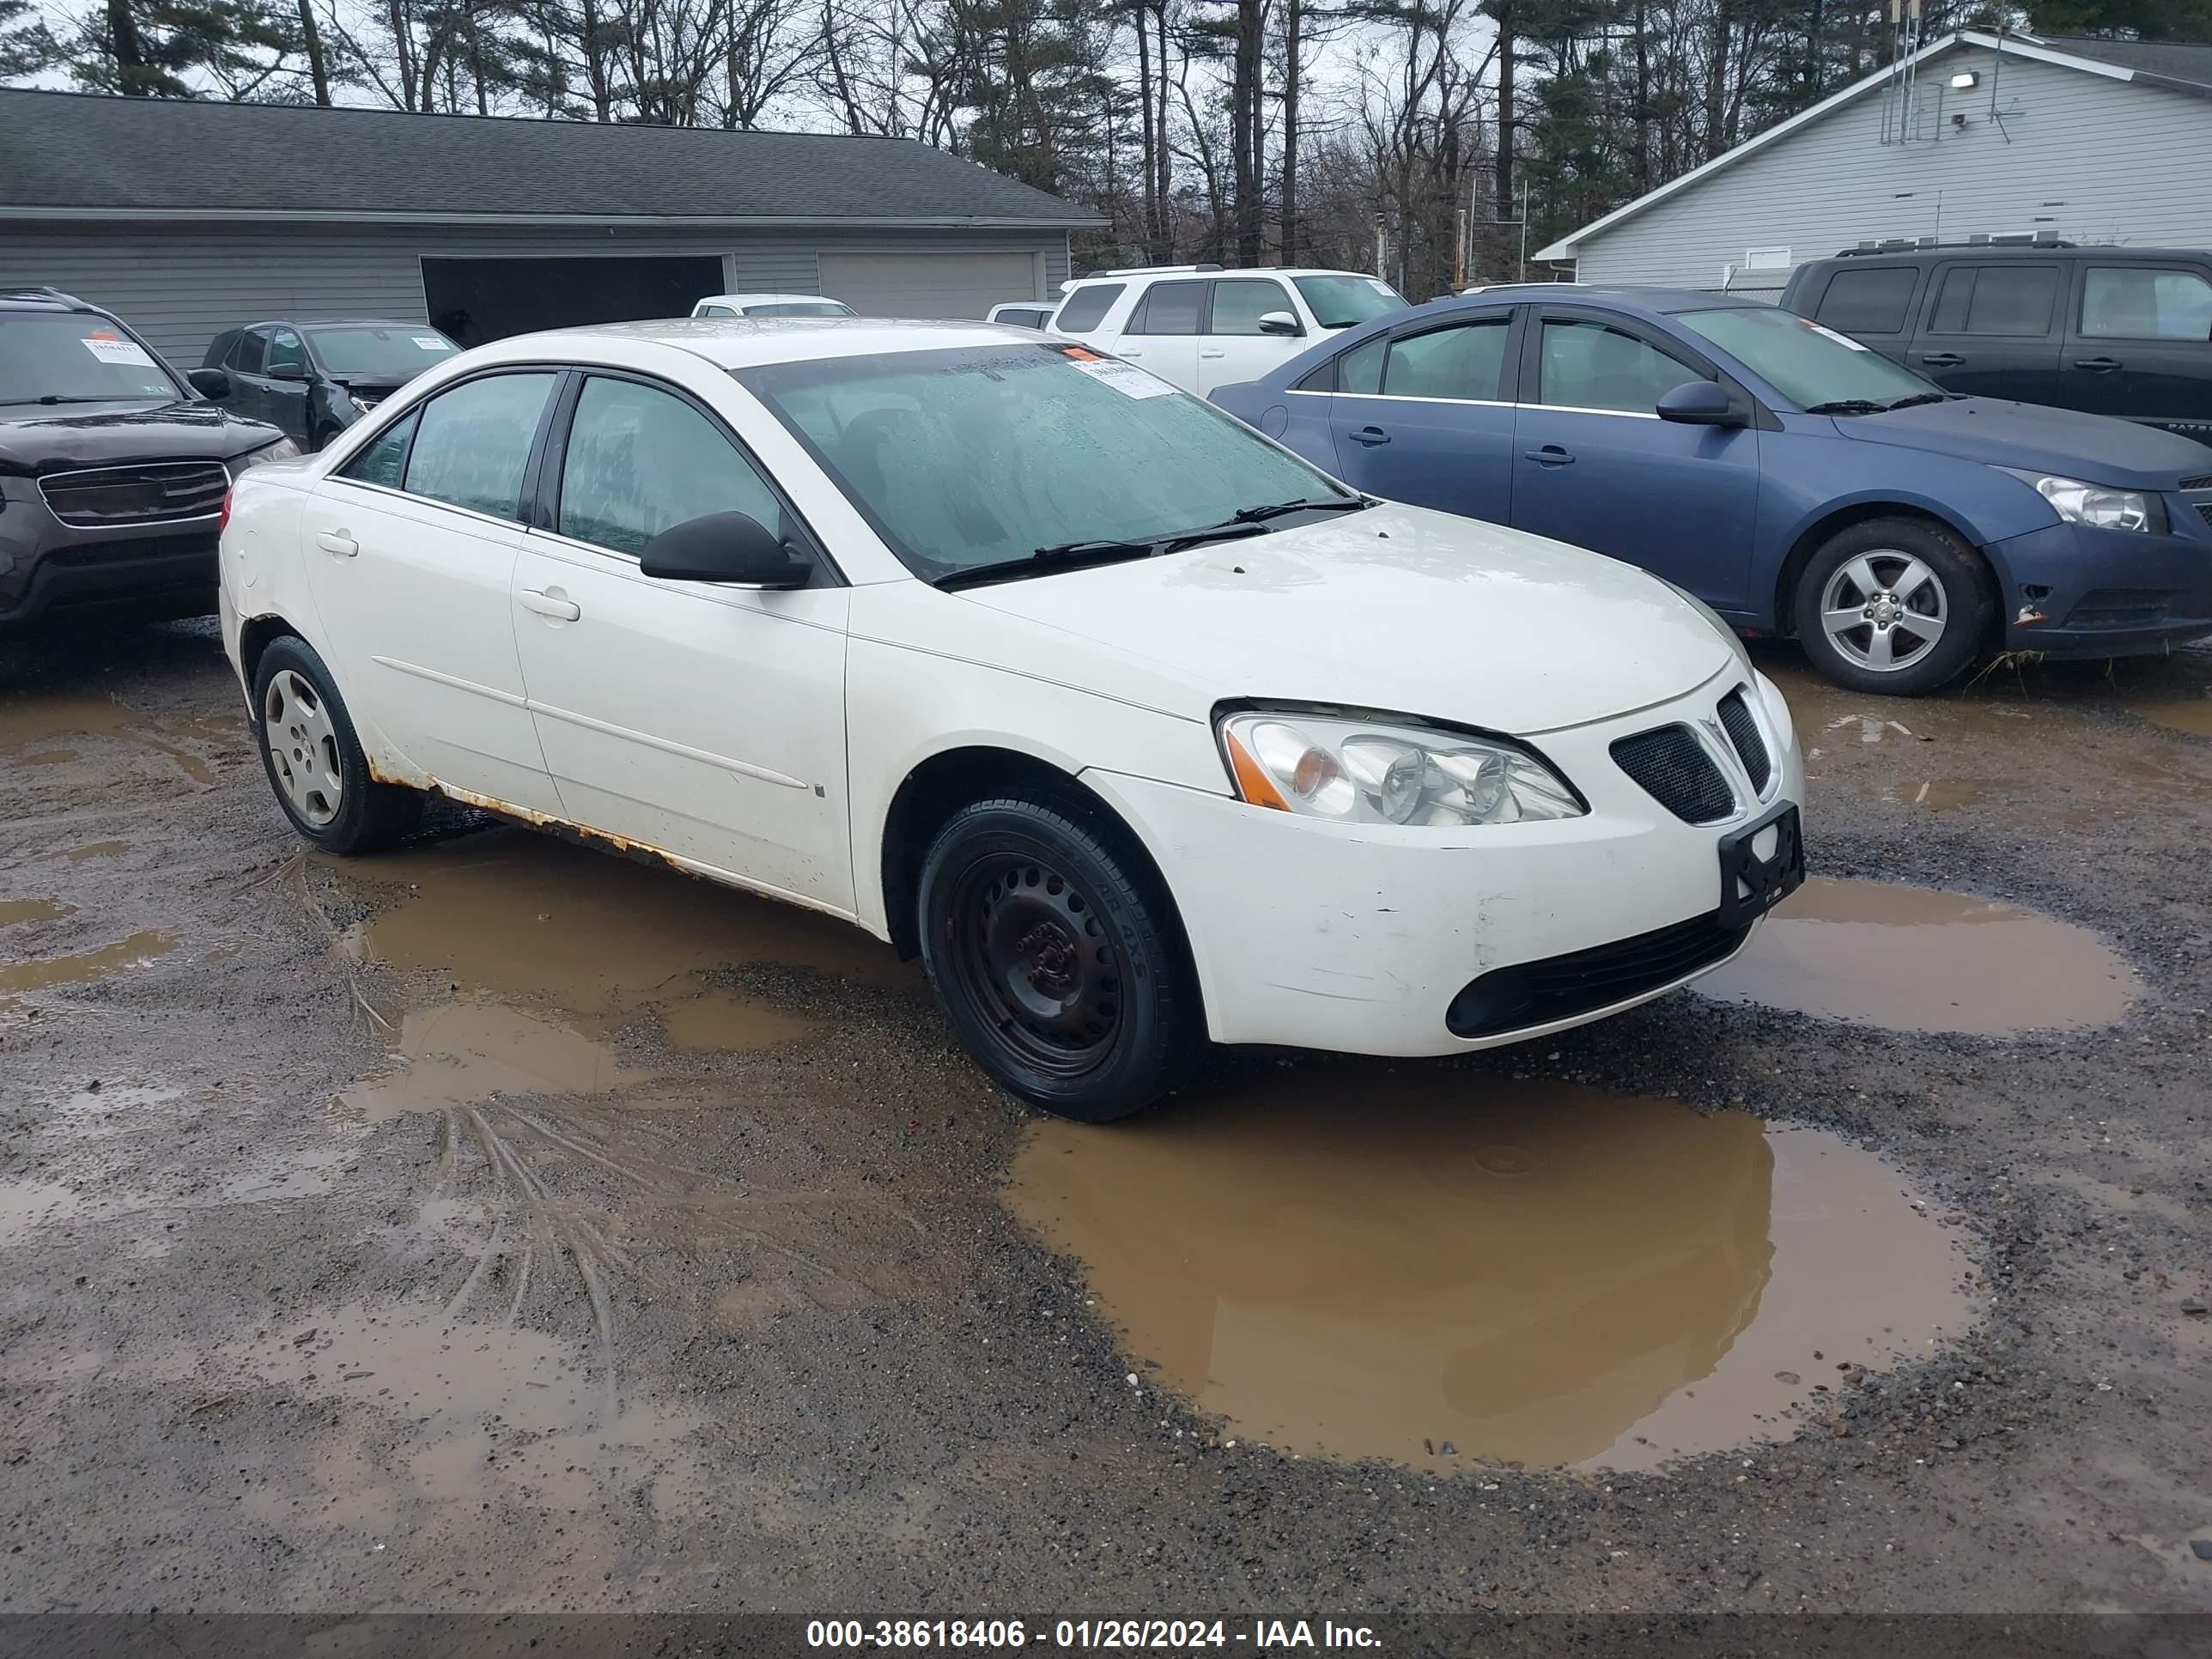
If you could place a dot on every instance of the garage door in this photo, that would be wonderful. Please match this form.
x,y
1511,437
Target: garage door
x,y
479,300
927,284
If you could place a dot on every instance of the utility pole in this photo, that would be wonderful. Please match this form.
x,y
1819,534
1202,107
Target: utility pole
x,y
1382,249
1459,247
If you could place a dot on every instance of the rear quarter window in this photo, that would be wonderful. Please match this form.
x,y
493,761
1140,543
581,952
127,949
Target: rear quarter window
x,y
1868,301
1086,308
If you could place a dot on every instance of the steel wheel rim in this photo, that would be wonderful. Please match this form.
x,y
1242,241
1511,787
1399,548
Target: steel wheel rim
x,y
1032,957
303,747
1884,611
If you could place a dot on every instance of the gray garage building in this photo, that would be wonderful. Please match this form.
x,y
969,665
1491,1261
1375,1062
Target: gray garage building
x,y
188,218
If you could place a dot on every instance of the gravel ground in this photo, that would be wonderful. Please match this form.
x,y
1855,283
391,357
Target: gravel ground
x,y
300,1311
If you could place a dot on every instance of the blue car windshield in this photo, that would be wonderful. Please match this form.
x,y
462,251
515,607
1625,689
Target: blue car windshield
x,y
1809,365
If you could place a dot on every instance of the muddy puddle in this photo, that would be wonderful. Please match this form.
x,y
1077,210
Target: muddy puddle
x,y
1914,959
549,950
1433,1266
2192,716
15,910
46,973
1936,794
29,724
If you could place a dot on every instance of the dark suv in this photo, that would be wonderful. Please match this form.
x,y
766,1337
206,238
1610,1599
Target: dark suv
x,y
315,380
114,469
2108,330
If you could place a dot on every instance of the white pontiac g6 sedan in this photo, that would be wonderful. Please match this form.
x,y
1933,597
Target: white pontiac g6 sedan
x,y
1141,730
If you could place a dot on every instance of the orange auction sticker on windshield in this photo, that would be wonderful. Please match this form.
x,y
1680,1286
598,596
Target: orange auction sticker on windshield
x,y
1081,354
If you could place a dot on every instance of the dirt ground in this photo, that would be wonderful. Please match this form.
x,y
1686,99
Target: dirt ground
x,y
497,1225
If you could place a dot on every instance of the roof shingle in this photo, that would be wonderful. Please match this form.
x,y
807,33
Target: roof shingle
x,y
2172,60
153,156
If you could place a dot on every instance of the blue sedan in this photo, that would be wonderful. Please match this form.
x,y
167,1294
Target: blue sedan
x,y
1795,481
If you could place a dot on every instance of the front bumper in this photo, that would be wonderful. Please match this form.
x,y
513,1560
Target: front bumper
x,y
2071,591
1357,939
47,566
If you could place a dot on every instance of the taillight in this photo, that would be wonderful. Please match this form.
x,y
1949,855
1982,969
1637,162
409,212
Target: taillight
x,y
223,523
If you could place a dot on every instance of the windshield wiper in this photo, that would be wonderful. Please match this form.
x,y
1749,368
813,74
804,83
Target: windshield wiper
x,y
1921,397
1850,406
56,398
1277,509
1073,556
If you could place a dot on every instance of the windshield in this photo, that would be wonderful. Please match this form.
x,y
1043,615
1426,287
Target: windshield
x,y
1807,364
69,357
800,308
1341,301
980,455
379,354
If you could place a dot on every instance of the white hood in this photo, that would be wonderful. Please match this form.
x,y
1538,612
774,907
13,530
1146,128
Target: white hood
x,y
1394,608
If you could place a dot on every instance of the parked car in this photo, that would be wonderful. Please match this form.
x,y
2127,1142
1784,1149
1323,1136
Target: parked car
x,y
1139,729
1025,313
1795,481
2108,330
770,304
314,380
112,469
1199,326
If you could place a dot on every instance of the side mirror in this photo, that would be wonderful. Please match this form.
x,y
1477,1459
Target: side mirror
x,y
208,383
1279,322
287,372
725,547
1700,403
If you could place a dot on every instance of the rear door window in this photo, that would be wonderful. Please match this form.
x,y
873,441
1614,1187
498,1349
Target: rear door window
x,y
1873,301
1463,362
1171,309
2145,302
1086,308
2000,300
473,444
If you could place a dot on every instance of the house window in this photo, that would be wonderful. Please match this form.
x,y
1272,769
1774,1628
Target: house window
x,y
1766,259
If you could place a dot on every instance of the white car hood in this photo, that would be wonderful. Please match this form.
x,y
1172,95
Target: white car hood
x,y
1396,608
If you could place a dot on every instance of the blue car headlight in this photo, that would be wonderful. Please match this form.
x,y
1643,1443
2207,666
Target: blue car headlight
x,y
2097,505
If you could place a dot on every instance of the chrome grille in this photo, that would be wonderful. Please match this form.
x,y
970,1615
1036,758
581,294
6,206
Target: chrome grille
x,y
156,493
1675,770
1744,736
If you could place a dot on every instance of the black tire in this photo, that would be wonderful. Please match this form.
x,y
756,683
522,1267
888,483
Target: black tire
x,y
1058,957
367,814
1965,606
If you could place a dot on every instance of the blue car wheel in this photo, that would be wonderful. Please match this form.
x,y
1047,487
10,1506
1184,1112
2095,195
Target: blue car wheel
x,y
1899,606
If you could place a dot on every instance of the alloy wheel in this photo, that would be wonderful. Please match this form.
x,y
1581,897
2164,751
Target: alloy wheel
x,y
303,747
1884,610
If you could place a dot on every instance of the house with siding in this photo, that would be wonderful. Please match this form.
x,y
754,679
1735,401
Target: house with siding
x,y
189,218
1977,134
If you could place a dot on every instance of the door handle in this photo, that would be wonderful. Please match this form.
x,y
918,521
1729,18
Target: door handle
x,y
2097,365
1213,353
1370,435
1127,351
549,602
1549,455
338,542
1941,359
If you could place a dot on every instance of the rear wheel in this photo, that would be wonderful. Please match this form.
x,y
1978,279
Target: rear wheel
x,y
1894,605
1058,958
314,761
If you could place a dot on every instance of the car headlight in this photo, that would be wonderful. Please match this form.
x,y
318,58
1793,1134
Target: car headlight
x,y
1720,624
1356,770
283,450
2095,505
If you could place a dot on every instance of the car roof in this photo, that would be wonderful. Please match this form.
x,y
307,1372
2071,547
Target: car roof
x,y
1186,274
45,299
744,342
767,300
1656,301
2004,251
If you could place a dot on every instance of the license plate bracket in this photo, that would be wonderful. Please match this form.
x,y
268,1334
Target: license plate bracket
x,y
1751,885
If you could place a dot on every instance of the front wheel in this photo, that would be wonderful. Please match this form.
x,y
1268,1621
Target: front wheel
x,y
1894,605
1058,958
